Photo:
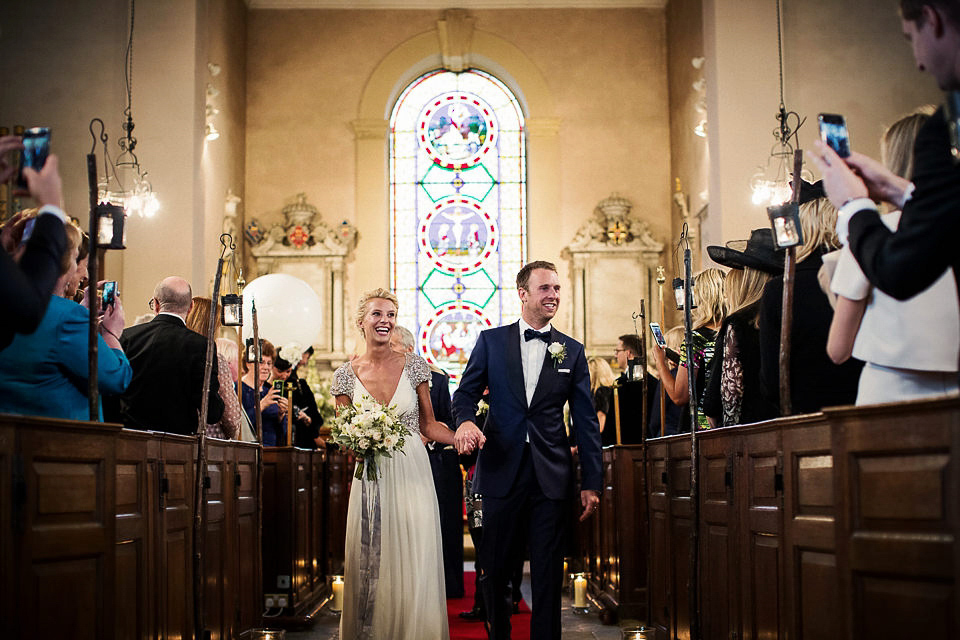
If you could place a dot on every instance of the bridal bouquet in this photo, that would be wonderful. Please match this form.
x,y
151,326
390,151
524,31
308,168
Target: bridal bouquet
x,y
371,430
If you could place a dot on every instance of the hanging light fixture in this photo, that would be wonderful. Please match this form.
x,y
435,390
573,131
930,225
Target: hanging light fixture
x,y
770,184
125,182
231,304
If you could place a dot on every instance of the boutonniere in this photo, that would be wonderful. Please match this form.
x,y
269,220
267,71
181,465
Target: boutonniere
x,y
558,351
482,408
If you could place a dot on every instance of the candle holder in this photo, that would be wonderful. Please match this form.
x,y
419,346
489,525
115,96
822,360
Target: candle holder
x,y
636,633
336,589
785,222
231,310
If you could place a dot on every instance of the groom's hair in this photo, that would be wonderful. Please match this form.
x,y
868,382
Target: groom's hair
x,y
523,276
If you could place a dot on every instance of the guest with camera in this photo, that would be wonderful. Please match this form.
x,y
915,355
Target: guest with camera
x,y
273,403
904,262
27,283
45,373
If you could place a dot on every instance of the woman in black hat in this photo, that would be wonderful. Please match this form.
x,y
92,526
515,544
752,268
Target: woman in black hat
x,y
734,395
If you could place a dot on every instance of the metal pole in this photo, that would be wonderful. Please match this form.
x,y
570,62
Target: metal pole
x,y
786,318
661,278
693,585
200,485
93,303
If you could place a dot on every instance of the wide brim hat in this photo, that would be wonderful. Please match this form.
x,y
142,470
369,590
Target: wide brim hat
x,y
759,252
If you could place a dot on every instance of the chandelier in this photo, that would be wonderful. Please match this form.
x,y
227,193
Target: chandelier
x,y
124,182
770,184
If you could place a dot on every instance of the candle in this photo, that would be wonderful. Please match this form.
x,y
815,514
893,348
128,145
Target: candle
x,y
337,586
566,576
580,591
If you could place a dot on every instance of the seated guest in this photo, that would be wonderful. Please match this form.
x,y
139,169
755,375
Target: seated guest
x,y
734,395
168,361
910,348
45,373
305,434
27,283
273,406
815,382
706,318
228,428
673,412
601,386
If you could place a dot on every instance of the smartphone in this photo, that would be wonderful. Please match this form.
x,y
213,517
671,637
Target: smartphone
x,y
658,334
833,131
27,230
107,293
279,386
36,148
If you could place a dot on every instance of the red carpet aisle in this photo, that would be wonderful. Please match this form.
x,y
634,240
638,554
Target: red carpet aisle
x,y
461,629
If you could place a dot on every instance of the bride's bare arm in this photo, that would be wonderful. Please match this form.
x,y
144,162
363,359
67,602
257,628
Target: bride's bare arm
x,y
429,426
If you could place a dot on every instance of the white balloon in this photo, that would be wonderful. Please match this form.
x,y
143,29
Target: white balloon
x,y
288,310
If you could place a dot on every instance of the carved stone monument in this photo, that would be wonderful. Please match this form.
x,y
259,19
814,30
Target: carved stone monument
x,y
613,265
306,247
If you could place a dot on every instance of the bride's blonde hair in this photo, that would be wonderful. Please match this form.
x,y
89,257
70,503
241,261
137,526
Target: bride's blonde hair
x,y
365,299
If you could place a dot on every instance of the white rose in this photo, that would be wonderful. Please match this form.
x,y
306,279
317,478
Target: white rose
x,y
391,440
555,348
364,444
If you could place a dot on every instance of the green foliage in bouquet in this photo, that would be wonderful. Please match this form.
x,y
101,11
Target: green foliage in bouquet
x,y
371,430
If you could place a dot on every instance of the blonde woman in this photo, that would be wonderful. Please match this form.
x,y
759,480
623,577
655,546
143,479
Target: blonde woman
x,y
910,347
734,395
198,320
394,584
601,387
707,317
815,382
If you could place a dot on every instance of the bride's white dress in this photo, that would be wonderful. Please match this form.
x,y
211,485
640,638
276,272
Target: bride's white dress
x,y
393,570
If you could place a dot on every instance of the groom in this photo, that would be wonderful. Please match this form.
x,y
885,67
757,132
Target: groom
x,y
525,470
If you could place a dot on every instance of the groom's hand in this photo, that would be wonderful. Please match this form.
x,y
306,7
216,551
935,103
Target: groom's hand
x,y
591,501
468,437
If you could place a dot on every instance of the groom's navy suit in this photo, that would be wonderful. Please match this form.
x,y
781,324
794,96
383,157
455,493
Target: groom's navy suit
x,y
525,471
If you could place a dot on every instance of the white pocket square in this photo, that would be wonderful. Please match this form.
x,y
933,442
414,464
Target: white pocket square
x,y
563,370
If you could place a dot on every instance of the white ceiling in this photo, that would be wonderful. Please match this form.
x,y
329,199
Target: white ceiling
x,y
446,4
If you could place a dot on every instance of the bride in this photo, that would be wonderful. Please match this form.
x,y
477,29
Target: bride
x,y
393,570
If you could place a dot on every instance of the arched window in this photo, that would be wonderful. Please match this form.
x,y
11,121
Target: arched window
x,y
458,210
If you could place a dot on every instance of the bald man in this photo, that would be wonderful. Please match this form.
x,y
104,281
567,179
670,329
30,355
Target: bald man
x,y
168,361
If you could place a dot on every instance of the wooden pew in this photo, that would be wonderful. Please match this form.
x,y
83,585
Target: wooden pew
x,y
96,532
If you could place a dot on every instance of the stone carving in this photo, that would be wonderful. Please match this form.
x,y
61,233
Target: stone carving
x,y
304,233
612,228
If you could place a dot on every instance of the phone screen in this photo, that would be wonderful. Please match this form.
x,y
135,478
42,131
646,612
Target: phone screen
x,y
833,131
109,292
658,334
36,148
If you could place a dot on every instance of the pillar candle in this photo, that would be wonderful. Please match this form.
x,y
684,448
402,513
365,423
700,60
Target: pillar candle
x,y
337,586
580,591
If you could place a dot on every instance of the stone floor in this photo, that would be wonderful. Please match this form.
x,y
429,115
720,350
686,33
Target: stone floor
x,y
575,626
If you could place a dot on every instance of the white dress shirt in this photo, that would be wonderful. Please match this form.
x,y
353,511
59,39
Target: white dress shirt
x,y
532,354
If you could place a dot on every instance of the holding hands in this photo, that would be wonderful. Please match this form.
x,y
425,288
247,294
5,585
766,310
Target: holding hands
x,y
468,437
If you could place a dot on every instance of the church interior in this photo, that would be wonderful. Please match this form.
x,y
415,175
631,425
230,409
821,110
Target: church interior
x,y
638,122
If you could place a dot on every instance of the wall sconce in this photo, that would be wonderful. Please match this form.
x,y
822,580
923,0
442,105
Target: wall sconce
x,y
111,231
210,132
231,308
785,222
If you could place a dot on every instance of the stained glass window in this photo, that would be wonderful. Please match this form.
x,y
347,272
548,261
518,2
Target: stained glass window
x,y
458,188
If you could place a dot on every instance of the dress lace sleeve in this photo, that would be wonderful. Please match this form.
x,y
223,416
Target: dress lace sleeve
x,y
417,370
342,381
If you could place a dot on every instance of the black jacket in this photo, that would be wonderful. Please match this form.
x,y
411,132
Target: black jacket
x,y
165,393
25,289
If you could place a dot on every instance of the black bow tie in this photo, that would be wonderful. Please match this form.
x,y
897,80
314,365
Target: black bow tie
x,y
531,334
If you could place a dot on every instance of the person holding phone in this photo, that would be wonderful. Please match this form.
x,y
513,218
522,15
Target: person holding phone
x,y
26,285
904,262
910,347
44,373
273,406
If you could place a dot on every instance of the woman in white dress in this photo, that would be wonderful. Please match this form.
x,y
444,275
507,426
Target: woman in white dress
x,y
393,570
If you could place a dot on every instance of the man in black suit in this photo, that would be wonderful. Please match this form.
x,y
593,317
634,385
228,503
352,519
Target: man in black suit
x,y
904,262
525,468
168,361
26,287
